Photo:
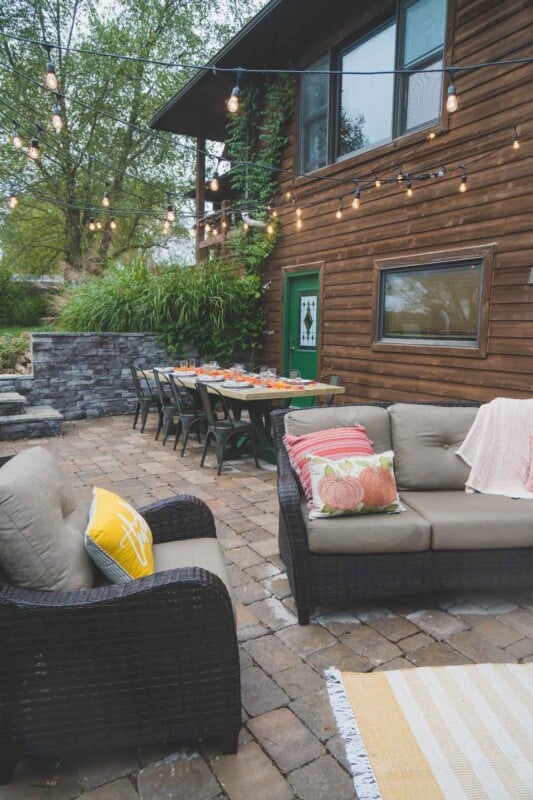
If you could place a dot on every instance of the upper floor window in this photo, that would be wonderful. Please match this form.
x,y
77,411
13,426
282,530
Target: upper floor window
x,y
343,114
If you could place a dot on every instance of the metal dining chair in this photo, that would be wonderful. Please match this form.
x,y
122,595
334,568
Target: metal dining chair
x,y
334,380
223,430
168,409
289,373
191,416
146,398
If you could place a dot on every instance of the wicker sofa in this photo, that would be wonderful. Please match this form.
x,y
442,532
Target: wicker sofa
x,y
153,660
446,539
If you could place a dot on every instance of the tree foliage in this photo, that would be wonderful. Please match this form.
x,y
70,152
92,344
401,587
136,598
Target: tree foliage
x,y
95,152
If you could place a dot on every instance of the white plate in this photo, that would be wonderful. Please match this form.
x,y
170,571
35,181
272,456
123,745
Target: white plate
x,y
236,385
165,370
181,374
297,381
209,379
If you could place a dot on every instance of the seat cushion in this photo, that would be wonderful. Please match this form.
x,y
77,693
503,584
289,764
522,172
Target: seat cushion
x,y
461,521
368,533
425,439
41,525
374,419
118,539
204,552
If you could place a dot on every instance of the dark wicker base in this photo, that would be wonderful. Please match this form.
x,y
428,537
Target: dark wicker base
x,y
338,579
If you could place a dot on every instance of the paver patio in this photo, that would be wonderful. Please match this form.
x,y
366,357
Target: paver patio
x,y
289,746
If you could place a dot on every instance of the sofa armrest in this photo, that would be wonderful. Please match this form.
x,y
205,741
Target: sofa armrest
x,y
179,517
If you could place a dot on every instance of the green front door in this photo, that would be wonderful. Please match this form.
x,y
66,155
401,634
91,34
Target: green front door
x,y
301,328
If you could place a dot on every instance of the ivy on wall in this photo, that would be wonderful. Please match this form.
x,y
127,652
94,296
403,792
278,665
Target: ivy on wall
x,y
258,134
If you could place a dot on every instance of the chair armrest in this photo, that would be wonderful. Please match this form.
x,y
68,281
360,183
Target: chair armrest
x,y
290,498
179,517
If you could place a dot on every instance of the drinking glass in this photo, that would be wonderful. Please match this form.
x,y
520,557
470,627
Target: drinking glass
x,y
263,374
192,362
184,362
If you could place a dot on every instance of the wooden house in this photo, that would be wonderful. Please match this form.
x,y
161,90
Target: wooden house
x,y
425,290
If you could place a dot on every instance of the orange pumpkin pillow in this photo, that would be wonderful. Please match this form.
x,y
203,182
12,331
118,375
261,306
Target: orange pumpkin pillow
x,y
353,485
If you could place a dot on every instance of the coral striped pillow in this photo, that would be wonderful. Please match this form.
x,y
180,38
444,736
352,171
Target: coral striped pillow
x,y
334,443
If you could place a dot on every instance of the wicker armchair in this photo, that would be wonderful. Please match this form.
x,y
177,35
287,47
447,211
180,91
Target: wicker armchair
x,y
149,661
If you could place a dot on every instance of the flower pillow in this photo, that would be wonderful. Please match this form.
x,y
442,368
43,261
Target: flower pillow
x,y
334,443
354,485
118,539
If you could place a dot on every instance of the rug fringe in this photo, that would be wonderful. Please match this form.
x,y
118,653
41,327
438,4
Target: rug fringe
x,y
365,782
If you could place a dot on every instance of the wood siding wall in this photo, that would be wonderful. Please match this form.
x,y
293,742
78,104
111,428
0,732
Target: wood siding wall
x,y
497,209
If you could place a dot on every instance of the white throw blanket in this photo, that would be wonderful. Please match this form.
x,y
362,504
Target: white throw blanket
x,y
497,449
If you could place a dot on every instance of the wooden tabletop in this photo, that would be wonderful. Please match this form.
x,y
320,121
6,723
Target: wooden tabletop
x,y
260,392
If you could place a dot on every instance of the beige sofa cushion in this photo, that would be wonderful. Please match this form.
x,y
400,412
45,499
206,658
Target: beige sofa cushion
x,y
374,419
424,440
42,524
204,552
461,521
368,533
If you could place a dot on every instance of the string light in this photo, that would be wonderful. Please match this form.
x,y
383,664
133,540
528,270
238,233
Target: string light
x,y
338,212
33,150
112,224
106,199
171,214
13,199
515,139
246,227
377,182
98,225
214,183
207,228
356,202
233,103
462,185
17,141
409,190
270,229
166,225
451,101
57,122
299,224
51,77
224,224
288,194
299,212
92,224
275,213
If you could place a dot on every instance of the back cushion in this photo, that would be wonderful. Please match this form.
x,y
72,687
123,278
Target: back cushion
x,y
42,525
374,420
424,440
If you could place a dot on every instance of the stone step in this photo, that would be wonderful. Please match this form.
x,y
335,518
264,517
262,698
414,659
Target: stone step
x,y
12,403
36,422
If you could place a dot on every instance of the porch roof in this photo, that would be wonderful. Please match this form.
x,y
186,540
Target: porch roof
x,y
274,38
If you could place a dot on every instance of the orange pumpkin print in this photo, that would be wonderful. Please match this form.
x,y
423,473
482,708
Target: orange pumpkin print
x,y
340,493
379,487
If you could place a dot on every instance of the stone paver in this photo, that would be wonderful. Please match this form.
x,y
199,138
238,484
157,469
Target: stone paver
x,y
278,728
250,774
287,719
177,779
322,778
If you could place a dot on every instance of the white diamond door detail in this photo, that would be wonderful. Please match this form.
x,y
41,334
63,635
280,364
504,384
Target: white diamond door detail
x,y
308,320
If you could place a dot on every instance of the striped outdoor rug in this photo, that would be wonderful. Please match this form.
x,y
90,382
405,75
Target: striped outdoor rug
x,y
438,733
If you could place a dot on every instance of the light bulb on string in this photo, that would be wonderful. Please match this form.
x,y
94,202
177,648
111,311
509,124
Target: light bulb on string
x,y
57,121
50,77
409,190
207,228
17,139
275,213
356,202
233,103
224,224
98,225
515,139
451,101
338,212
33,150
400,177
246,227
166,225
171,215
215,231
270,229
462,185
106,199
299,212
92,224
299,224
431,135
214,183
13,199
112,224
377,182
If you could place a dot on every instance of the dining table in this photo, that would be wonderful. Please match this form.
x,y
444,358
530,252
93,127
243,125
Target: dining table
x,y
255,393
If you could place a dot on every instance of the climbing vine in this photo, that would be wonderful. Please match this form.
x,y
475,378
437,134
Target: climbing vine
x,y
258,134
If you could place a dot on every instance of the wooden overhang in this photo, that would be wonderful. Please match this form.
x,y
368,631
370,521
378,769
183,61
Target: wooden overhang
x,y
273,39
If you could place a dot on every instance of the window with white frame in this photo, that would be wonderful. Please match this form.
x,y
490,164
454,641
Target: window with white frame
x,y
342,114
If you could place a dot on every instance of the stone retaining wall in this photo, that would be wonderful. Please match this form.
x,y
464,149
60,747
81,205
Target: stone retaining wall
x,y
86,374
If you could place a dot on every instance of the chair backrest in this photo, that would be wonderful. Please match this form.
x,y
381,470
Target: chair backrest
x,y
183,397
140,388
334,380
164,399
206,398
291,373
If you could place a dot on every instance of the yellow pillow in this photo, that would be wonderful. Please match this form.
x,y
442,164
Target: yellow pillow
x,y
118,539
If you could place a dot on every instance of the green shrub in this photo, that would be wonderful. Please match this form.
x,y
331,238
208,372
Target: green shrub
x,y
11,348
206,306
21,303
